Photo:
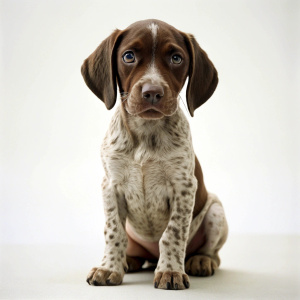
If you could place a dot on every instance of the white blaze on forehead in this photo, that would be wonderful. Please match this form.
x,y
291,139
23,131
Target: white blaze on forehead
x,y
153,28
152,74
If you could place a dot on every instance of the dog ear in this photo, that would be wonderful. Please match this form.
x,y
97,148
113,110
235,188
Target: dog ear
x,y
203,77
99,70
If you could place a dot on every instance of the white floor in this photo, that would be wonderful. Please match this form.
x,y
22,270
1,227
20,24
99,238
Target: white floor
x,y
253,267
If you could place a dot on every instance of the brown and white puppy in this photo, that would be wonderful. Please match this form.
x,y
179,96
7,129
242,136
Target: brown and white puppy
x,y
156,204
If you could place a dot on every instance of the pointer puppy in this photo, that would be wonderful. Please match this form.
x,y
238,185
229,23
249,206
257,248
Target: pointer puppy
x,y
156,204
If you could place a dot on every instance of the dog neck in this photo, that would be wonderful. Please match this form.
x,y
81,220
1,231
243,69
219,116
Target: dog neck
x,y
150,139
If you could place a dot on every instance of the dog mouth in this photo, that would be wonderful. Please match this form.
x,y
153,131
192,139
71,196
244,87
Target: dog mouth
x,y
151,114
151,111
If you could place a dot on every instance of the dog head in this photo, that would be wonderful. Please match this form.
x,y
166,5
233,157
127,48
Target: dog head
x,y
150,61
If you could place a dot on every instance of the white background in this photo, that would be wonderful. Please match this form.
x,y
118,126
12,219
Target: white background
x,y
246,136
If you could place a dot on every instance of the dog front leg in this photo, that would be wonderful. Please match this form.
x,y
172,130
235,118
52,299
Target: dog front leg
x,y
113,266
170,273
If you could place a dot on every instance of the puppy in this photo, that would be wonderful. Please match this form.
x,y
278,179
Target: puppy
x,y
156,205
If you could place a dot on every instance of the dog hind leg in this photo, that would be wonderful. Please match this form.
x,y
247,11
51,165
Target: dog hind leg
x,y
206,260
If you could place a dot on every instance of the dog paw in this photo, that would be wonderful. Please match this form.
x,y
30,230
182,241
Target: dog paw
x,y
100,276
200,265
171,280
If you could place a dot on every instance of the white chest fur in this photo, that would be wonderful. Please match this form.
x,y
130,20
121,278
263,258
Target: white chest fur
x,y
144,164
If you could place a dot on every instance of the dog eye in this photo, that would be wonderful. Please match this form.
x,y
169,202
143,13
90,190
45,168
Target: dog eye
x,y
176,59
129,57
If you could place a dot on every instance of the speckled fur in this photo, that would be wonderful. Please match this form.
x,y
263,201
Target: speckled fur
x,y
150,186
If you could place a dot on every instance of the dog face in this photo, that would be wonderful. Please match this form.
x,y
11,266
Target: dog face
x,y
150,61
152,66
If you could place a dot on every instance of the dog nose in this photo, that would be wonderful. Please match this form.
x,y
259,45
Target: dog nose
x,y
152,93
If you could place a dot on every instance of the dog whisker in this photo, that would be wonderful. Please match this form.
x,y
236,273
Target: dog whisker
x,y
183,103
124,96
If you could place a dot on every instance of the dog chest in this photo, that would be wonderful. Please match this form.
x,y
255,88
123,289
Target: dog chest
x,y
148,211
147,191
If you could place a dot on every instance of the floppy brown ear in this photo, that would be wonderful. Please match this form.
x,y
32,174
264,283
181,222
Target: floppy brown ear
x,y
203,77
99,70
